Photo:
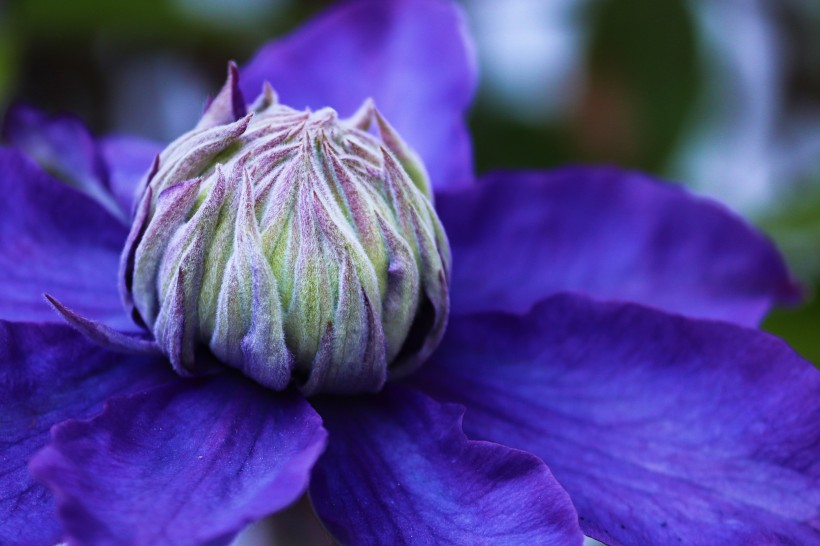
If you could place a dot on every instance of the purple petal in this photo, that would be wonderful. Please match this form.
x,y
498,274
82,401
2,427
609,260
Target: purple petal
x,y
413,57
399,470
129,159
49,373
663,429
190,463
55,239
63,146
518,237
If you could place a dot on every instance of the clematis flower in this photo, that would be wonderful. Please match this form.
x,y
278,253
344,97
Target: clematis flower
x,y
601,372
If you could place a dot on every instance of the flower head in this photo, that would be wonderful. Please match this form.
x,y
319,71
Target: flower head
x,y
601,372
289,243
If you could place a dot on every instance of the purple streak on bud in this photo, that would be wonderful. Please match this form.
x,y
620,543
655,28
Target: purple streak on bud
x,y
301,247
415,215
170,210
248,332
362,118
143,185
410,160
228,106
266,99
194,152
128,256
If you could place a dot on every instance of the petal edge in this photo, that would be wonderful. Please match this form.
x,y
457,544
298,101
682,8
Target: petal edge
x,y
663,429
518,237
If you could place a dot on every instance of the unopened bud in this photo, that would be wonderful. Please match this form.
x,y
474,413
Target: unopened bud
x,y
293,245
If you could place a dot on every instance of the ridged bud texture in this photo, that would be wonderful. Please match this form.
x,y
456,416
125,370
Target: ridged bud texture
x,y
294,245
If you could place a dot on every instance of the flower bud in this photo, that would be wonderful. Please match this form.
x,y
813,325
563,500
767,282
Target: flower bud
x,y
293,245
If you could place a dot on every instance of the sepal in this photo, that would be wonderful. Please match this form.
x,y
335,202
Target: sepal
x,y
104,335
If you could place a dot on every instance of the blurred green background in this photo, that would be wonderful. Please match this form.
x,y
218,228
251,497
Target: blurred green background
x,y
721,95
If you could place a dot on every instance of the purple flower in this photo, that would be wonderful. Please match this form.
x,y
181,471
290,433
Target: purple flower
x,y
601,338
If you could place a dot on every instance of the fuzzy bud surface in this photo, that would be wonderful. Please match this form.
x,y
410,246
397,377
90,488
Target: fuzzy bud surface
x,y
293,245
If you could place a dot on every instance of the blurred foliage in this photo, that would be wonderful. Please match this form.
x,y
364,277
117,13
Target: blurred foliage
x,y
644,53
794,224
150,21
65,49
635,101
8,50
795,227
799,327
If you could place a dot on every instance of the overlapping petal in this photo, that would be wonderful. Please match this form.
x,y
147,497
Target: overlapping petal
x,y
188,463
663,429
399,470
49,373
518,237
413,57
55,239
129,158
63,146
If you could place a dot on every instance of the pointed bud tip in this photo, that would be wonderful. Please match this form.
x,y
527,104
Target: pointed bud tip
x,y
228,105
305,250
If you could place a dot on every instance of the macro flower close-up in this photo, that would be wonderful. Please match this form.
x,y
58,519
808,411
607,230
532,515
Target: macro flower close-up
x,y
312,293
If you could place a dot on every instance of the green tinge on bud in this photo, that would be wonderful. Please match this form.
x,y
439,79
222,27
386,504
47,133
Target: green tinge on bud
x,y
292,244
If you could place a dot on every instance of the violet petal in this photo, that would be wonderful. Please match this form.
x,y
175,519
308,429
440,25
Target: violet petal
x,y
129,160
190,463
55,239
49,373
63,146
413,57
399,470
663,429
519,237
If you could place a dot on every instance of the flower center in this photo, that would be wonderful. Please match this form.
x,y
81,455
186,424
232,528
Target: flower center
x,y
294,246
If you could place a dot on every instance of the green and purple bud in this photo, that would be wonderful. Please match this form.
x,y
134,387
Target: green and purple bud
x,y
293,245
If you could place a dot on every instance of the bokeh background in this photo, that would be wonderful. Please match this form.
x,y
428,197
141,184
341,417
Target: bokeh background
x,y
720,95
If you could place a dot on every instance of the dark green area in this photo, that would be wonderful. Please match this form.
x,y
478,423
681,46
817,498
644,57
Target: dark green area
x,y
63,50
795,227
800,327
643,79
